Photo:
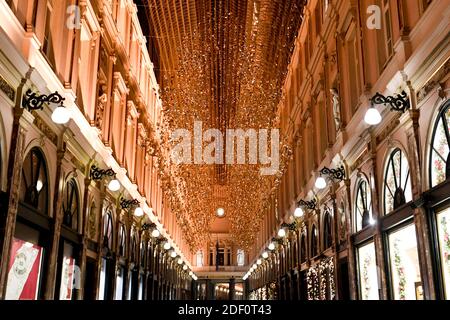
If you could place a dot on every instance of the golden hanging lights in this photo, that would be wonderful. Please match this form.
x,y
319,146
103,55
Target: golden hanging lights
x,y
225,63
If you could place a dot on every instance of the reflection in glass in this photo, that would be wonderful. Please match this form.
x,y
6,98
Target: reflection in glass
x,y
404,261
443,226
368,278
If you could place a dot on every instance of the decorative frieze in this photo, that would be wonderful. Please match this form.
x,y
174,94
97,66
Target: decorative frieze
x,y
45,129
434,81
7,89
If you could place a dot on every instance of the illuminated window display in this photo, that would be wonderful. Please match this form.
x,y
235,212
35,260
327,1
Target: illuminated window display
x,y
24,274
102,284
119,284
406,283
443,228
368,274
68,273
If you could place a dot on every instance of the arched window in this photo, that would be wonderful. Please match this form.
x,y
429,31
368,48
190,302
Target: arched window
x,y
440,146
397,182
303,255
133,246
107,230
327,230
363,209
122,241
314,242
70,205
143,252
34,189
1,162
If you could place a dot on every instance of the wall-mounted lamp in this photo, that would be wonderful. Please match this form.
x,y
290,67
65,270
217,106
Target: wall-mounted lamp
x,y
337,174
281,233
311,205
98,174
31,101
398,103
126,204
167,245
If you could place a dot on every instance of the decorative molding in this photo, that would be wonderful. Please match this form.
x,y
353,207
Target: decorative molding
x,y
388,130
45,129
434,81
7,89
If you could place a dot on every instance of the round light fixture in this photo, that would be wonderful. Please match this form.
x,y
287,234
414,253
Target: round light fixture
x,y
372,117
258,262
272,246
254,266
167,245
138,212
320,183
39,186
114,185
60,115
156,233
191,273
180,261
298,213
281,233
185,267
220,212
265,255
173,254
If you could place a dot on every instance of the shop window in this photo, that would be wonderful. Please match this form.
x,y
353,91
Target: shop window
x,y
440,145
368,272
25,265
133,247
443,228
119,283
327,230
363,210
34,189
107,231
405,277
69,273
122,241
143,254
397,182
70,205
314,242
303,256
1,164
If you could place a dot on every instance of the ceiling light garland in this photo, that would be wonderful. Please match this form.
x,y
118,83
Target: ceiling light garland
x,y
228,73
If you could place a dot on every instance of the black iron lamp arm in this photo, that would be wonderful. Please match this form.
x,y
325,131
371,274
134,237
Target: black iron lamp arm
x,y
98,174
397,103
335,174
32,101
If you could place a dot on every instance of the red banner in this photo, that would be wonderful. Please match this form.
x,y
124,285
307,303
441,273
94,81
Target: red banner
x,y
24,271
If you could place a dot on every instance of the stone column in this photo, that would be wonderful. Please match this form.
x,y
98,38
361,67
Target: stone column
x,y
22,120
85,212
56,227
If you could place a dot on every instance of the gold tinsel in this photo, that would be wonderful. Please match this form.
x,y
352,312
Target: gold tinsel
x,y
226,70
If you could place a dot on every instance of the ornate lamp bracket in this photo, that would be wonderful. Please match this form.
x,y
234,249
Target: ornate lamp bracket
x,y
399,103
